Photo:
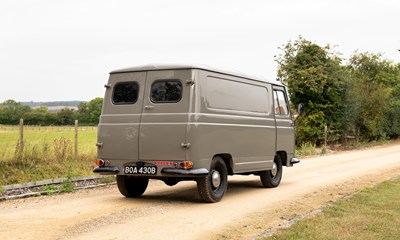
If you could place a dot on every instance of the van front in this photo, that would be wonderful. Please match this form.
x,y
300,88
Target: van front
x,y
144,123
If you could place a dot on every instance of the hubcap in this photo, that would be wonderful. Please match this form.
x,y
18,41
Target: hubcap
x,y
215,179
274,170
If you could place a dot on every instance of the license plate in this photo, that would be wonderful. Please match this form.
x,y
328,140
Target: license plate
x,y
144,170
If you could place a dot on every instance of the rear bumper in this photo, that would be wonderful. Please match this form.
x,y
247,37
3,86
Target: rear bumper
x,y
186,172
112,170
294,161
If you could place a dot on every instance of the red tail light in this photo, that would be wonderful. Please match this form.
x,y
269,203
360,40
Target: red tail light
x,y
186,164
100,162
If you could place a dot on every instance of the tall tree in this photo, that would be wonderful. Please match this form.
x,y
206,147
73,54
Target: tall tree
x,y
89,112
375,96
317,79
94,107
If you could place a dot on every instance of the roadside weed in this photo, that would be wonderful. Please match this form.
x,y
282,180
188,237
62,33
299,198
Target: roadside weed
x,y
50,189
306,149
67,185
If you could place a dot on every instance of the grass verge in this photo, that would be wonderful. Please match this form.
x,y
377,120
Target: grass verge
x,y
309,149
373,213
47,152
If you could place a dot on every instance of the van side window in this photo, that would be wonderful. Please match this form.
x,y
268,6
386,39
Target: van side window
x,y
165,91
280,103
230,95
125,93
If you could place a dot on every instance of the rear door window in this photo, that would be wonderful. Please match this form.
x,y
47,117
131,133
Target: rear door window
x,y
125,93
166,91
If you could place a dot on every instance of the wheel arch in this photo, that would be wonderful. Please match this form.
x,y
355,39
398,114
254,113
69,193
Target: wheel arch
x,y
283,156
228,161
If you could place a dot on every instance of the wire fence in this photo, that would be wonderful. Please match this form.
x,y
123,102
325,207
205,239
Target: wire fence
x,y
15,138
38,128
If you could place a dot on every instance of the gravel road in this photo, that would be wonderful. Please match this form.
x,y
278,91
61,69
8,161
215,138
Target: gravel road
x,y
247,210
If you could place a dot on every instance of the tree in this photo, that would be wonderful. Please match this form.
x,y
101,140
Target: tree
x,y
83,113
11,111
66,117
375,96
94,107
316,78
89,113
38,116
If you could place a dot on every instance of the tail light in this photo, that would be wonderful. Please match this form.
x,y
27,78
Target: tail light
x,y
186,164
101,162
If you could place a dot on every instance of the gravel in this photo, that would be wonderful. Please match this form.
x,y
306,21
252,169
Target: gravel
x,y
50,187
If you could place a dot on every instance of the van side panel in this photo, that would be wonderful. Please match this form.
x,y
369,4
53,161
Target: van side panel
x,y
232,116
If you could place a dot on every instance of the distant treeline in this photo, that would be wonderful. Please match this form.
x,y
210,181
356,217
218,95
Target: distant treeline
x,y
52,104
88,113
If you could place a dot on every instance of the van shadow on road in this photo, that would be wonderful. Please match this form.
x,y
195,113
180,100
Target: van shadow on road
x,y
189,194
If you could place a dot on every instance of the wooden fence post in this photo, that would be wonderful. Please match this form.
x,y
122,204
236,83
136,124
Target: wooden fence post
x,y
21,136
325,135
76,139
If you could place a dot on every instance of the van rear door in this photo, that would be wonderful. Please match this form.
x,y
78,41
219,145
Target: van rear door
x,y
119,121
164,120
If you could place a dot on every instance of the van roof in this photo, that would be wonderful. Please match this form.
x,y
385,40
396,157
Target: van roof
x,y
155,67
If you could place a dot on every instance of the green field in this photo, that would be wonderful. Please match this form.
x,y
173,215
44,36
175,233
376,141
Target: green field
x,y
48,153
373,213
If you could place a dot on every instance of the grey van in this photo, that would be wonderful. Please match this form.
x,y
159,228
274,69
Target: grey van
x,y
188,122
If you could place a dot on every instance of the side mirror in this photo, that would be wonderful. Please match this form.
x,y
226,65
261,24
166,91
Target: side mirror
x,y
300,108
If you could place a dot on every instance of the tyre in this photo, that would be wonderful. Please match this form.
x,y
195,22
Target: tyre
x,y
131,187
213,186
272,178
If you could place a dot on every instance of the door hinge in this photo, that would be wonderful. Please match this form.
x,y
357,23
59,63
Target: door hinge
x,y
190,82
185,145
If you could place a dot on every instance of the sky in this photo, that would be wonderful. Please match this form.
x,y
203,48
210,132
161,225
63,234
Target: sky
x,y
64,50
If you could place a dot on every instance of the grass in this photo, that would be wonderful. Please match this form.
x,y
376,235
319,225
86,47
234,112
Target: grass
x,y
309,149
47,153
50,189
40,135
373,213
306,149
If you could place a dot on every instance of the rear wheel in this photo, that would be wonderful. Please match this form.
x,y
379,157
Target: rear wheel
x,y
213,186
131,187
272,178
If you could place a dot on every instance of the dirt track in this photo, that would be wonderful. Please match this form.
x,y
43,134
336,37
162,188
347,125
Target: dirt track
x,y
246,211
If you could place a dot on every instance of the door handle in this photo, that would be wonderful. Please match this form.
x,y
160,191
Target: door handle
x,y
148,107
185,145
